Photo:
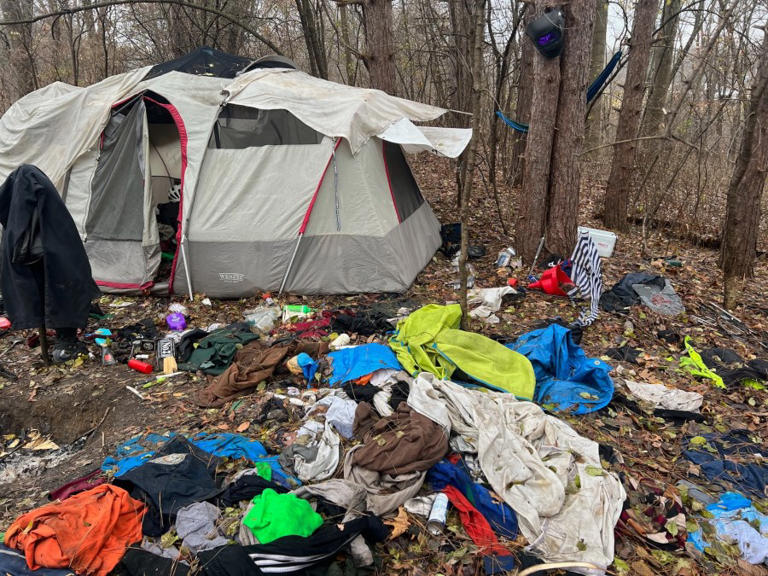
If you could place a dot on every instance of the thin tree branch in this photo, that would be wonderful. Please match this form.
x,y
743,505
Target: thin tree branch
x,y
182,3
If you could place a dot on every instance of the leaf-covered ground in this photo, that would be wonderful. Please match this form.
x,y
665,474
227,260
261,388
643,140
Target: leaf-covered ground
x,y
85,409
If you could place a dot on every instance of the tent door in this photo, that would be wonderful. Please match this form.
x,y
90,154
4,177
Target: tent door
x,y
121,235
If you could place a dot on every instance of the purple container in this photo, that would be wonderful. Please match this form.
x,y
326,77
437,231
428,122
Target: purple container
x,y
176,321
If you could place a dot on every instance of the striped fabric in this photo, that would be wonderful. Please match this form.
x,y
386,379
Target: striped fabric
x,y
587,276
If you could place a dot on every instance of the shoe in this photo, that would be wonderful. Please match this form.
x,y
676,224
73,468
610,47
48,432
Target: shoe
x,y
64,351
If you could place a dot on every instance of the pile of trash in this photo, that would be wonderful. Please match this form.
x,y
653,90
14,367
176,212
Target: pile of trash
x,y
375,418
375,422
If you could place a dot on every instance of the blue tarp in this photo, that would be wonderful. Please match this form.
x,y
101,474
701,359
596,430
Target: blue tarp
x,y
565,377
735,518
358,361
500,516
139,449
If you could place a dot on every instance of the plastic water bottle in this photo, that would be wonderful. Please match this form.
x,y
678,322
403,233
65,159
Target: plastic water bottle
x,y
297,308
505,257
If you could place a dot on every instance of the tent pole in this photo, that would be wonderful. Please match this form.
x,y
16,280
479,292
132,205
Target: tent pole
x,y
290,265
187,271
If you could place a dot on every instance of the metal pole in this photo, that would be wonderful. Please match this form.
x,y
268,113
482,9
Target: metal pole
x,y
186,270
290,265
535,258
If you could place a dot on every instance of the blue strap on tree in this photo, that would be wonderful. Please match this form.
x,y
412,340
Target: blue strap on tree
x,y
592,92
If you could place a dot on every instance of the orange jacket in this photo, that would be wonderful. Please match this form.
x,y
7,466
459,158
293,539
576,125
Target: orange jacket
x,y
87,533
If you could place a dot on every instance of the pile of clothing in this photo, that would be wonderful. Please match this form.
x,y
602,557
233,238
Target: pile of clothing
x,y
388,432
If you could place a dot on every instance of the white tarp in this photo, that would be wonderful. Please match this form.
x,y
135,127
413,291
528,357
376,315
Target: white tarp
x,y
332,109
448,142
666,398
566,503
53,126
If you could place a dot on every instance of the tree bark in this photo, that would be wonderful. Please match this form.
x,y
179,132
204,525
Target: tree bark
x,y
463,31
349,64
534,196
742,220
663,59
563,212
523,107
596,65
466,190
21,55
549,200
501,70
314,40
620,180
380,48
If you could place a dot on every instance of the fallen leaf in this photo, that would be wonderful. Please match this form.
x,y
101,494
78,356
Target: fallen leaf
x,y
399,523
594,470
659,537
243,427
640,568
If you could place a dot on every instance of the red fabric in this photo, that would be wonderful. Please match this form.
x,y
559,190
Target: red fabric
x,y
95,478
474,523
312,328
550,281
183,139
305,221
87,533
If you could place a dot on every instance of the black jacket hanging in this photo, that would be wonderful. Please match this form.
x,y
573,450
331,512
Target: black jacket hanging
x,y
46,277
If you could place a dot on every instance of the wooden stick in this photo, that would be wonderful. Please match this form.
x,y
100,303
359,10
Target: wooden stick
x,y
44,345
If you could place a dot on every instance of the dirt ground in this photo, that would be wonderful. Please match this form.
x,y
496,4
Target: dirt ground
x,y
87,409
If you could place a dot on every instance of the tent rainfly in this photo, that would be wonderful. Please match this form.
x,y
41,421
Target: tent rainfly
x,y
191,177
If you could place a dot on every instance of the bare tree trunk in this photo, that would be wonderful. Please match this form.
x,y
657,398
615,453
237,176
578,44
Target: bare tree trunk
x,y
523,108
312,36
380,48
534,196
563,212
620,180
348,60
742,220
466,190
462,28
501,69
663,59
19,40
596,64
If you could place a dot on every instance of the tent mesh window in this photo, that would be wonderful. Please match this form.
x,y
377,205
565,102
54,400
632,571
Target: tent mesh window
x,y
243,127
404,188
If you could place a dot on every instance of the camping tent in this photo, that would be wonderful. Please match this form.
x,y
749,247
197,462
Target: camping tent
x,y
268,179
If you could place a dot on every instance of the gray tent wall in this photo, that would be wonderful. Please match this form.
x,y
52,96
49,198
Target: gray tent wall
x,y
261,186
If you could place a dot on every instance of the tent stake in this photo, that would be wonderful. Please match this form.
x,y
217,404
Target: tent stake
x,y
290,265
186,271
